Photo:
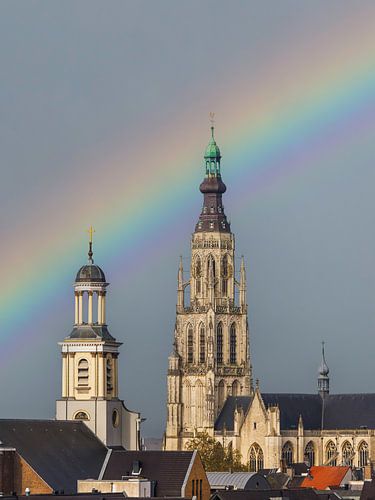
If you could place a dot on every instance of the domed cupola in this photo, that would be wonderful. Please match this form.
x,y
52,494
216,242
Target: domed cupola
x,y
90,300
90,273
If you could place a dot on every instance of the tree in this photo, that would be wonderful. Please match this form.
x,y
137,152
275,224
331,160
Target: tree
x,y
214,455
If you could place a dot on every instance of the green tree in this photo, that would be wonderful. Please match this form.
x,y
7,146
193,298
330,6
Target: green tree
x,y
214,455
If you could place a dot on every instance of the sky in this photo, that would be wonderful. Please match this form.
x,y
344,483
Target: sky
x,y
104,118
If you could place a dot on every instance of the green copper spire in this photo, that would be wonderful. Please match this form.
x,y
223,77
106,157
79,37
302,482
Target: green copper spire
x,y
212,157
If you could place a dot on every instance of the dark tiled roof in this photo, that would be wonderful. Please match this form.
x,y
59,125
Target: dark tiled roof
x,y
225,417
296,494
168,468
61,452
293,405
91,332
368,490
349,411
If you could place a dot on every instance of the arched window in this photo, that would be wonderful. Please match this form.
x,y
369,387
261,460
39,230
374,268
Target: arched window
x,y
236,388
256,459
81,415
310,453
221,393
198,276
363,454
109,375
202,344
83,372
211,262
190,345
331,454
233,345
219,344
224,275
287,453
347,454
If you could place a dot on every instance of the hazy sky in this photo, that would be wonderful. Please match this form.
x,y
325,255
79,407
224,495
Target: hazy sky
x,y
104,111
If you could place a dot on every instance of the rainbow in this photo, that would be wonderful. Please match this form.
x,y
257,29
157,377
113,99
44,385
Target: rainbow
x,y
278,124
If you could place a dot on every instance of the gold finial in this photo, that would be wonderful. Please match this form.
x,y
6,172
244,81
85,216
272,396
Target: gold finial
x,y
91,232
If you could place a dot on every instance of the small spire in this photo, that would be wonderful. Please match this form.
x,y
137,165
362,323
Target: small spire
x,y
91,232
323,369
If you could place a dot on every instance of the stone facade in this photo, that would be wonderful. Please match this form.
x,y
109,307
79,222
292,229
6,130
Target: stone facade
x,y
209,373
210,359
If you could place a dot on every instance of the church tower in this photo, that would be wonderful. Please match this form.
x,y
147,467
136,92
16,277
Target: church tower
x,y
90,365
210,358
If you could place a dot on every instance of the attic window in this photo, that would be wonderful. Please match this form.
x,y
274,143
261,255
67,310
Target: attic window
x,y
255,425
137,469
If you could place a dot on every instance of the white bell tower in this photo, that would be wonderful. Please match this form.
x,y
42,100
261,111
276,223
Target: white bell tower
x,y
90,365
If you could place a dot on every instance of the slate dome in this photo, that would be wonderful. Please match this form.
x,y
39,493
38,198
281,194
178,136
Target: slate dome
x,y
90,273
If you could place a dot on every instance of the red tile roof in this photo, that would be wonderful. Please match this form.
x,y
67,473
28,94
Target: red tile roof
x,y
321,477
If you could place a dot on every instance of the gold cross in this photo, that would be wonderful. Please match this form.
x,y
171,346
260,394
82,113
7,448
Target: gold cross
x,y
212,118
91,231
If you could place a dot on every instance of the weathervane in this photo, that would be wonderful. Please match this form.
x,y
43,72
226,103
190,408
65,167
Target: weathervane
x,y
212,118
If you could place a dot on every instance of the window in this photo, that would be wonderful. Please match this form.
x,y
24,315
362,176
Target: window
x,y
224,274
232,347
83,373
198,276
199,391
221,393
81,415
310,454
256,458
347,454
109,375
236,388
202,344
331,454
190,345
115,418
363,454
287,453
219,344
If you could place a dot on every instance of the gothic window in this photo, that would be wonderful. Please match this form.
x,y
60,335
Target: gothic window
x,y
219,344
190,345
187,408
211,262
202,344
233,345
363,454
83,372
225,275
236,388
287,453
200,402
109,375
256,458
347,454
221,393
310,454
331,454
198,276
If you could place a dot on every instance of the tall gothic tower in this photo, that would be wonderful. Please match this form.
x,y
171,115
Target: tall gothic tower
x,y
210,358
90,366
